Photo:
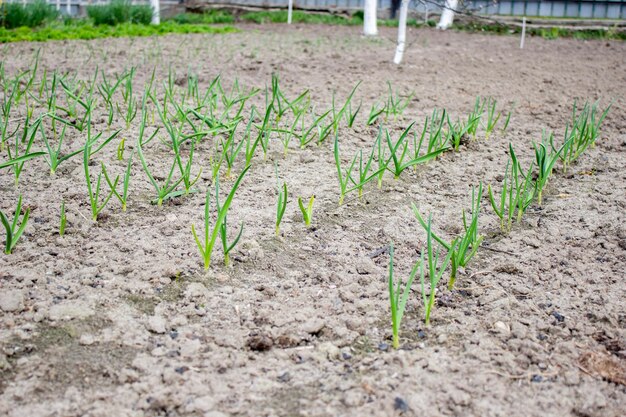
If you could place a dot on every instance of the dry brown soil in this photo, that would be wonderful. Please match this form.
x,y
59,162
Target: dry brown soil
x,y
120,319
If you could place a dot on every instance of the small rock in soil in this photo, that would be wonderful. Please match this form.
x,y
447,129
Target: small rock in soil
x,y
284,377
11,301
383,346
156,324
537,378
400,405
558,316
260,342
313,326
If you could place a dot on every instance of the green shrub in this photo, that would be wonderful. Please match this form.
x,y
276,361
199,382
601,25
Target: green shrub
x,y
14,15
210,17
120,11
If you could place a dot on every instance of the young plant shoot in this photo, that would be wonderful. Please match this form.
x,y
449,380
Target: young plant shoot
x,y
13,231
63,220
397,299
210,237
435,271
464,246
307,212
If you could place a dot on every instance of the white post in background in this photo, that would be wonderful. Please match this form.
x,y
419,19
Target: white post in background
x,y
68,7
521,42
447,15
156,12
289,12
404,11
369,18
58,4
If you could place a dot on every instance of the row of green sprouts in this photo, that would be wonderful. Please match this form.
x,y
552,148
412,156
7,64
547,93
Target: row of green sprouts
x,y
520,188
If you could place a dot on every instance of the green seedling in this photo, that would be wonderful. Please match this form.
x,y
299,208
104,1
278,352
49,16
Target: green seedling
x,y
123,197
582,133
307,212
63,220
285,135
436,138
398,158
230,151
473,119
210,237
281,204
492,117
55,157
121,147
381,157
545,162
19,156
307,135
375,111
518,192
13,231
223,228
94,193
463,247
364,168
456,132
395,104
398,299
343,176
338,115
435,271
166,190
350,115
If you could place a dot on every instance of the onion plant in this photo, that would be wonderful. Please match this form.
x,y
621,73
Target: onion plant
x,y
107,90
375,111
435,270
123,197
545,162
17,155
456,131
582,133
94,192
398,298
307,212
395,104
307,135
381,158
398,157
12,229
343,176
492,117
210,236
226,247
281,204
518,192
364,175
63,219
464,246
338,115
473,119
436,138
167,189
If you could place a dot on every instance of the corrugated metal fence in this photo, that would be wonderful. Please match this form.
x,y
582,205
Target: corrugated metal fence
x,y
589,9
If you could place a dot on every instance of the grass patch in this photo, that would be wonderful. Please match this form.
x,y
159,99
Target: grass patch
x,y
86,30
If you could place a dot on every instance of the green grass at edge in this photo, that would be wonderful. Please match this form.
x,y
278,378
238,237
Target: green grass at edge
x,y
88,31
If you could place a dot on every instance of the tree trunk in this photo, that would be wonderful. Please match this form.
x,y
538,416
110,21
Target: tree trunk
x,y
369,18
447,15
156,12
404,11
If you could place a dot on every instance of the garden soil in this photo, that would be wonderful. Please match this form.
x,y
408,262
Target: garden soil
x,y
119,318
